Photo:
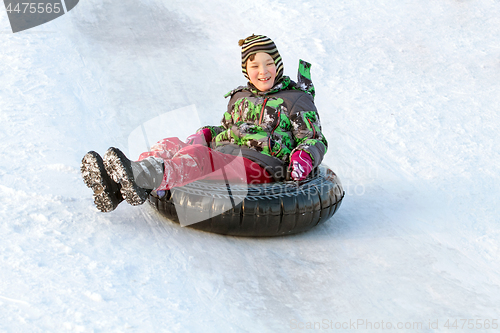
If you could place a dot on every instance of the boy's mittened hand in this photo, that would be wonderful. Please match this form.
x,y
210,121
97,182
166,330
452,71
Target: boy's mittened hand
x,y
301,165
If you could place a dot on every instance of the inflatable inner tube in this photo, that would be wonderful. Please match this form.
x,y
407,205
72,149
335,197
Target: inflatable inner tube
x,y
257,210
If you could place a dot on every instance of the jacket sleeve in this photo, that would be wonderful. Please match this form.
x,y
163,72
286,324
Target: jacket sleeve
x,y
306,129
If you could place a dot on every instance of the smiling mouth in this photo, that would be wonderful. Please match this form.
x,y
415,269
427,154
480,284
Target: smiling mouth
x,y
265,80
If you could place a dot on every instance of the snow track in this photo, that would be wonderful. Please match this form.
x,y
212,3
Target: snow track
x,y
408,98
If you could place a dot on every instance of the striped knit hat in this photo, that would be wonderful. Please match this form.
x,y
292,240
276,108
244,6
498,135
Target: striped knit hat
x,y
259,43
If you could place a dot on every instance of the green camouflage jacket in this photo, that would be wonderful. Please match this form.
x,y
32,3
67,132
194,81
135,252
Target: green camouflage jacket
x,y
269,126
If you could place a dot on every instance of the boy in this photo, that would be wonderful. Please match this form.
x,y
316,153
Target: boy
x,y
271,127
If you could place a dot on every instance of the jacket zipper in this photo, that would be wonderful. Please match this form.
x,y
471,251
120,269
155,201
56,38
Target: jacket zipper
x,y
272,132
262,110
278,123
239,113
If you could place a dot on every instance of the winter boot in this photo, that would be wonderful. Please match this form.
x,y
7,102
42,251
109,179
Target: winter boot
x,y
137,179
107,193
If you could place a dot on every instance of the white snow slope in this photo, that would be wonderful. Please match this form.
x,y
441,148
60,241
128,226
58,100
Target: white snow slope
x,y
409,97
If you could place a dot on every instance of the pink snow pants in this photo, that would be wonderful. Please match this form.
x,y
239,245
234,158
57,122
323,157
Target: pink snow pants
x,y
186,163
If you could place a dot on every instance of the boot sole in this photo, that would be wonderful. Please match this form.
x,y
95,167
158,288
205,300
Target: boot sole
x,y
95,177
115,163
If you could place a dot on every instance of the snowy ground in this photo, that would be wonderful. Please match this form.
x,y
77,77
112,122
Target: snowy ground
x,y
409,95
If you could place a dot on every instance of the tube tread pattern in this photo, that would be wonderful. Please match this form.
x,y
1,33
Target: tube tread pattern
x,y
265,210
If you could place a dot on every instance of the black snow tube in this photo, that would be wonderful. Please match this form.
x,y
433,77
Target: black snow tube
x,y
273,209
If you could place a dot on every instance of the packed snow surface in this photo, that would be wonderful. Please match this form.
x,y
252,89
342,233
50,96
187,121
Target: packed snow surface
x,y
409,98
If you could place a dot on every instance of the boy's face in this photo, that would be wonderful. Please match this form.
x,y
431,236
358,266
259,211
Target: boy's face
x,y
262,71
